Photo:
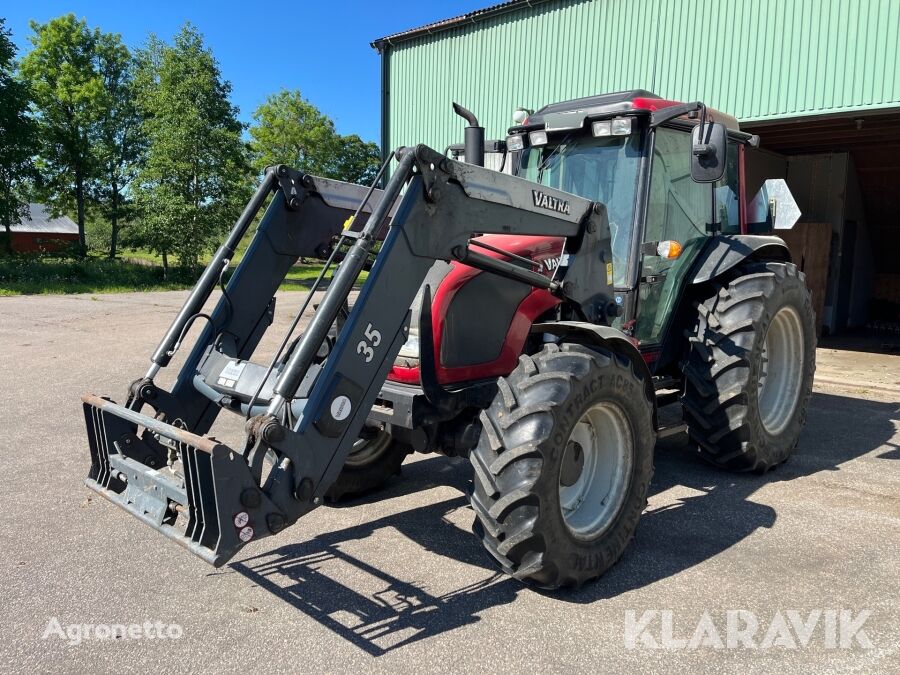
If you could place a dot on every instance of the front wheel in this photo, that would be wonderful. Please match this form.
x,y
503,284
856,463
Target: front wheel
x,y
374,459
563,465
750,369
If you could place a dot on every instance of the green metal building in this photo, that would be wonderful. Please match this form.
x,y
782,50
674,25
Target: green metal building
x,y
818,80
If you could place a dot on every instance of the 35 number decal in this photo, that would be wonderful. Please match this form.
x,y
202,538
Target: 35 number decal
x,y
367,347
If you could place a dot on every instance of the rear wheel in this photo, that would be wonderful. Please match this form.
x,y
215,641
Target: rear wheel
x,y
375,457
750,369
563,465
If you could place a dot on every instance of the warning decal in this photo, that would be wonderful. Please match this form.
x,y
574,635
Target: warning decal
x,y
230,373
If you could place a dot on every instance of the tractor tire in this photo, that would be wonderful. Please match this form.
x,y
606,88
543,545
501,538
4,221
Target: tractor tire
x,y
371,463
563,465
749,372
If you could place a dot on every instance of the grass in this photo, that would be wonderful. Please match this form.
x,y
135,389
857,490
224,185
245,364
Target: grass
x,y
301,273
150,257
28,275
140,254
32,275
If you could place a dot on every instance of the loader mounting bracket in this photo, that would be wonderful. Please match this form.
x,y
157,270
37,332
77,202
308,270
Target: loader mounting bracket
x,y
164,404
289,180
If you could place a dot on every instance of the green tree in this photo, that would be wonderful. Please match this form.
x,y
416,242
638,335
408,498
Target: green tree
x,y
356,161
290,130
194,179
118,143
18,140
67,93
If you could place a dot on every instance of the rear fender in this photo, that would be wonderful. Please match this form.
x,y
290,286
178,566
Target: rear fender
x,y
609,338
724,252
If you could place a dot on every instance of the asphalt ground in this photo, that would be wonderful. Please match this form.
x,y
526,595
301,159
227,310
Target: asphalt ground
x,y
397,583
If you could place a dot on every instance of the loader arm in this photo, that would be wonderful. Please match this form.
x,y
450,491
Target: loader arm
x,y
315,408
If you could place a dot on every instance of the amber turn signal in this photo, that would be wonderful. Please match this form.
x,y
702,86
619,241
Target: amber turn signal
x,y
669,248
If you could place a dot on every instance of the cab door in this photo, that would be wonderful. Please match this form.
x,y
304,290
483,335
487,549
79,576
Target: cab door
x,y
680,217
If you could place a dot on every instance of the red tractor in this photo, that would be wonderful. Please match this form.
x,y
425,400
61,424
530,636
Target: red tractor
x,y
532,319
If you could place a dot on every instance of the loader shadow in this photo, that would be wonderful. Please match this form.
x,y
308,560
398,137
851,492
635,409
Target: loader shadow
x,y
386,612
382,611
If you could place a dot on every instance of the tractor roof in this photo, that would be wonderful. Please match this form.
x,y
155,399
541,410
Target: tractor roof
x,y
634,100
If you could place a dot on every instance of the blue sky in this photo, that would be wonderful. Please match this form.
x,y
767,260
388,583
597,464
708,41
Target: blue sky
x,y
321,48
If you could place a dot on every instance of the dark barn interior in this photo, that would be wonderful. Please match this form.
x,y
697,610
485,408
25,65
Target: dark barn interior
x,y
845,175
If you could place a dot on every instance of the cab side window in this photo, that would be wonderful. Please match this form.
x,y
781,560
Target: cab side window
x,y
726,194
678,208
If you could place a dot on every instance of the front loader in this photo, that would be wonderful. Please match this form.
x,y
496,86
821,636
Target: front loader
x,y
530,319
306,410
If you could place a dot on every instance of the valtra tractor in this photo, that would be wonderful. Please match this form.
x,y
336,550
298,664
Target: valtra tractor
x,y
531,319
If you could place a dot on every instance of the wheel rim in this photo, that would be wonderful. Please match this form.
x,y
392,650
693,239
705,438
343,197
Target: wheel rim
x,y
595,470
366,451
781,370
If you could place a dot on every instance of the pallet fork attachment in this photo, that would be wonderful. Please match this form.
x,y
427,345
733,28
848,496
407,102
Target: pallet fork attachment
x,y
306,410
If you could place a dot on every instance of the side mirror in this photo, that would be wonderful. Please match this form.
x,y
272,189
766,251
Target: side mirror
x,y
709,148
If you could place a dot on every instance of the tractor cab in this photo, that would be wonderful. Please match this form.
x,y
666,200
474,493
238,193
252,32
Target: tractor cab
x,y
666,189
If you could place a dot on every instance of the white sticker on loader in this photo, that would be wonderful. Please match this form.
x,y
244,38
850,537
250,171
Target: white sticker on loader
x,y
246,534
340,408
241,519
230,373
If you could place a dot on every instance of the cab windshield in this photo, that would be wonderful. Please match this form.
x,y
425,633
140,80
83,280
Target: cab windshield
x,y
600,169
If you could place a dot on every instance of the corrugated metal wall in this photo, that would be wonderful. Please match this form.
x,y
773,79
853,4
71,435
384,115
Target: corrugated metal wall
x,y
756,59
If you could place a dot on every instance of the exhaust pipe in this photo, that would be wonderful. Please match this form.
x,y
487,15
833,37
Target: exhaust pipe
x,y
474,139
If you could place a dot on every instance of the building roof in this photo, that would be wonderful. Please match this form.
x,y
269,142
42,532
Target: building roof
x,y
446,24
40,220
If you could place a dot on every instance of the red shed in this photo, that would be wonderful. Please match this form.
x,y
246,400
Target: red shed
x,y
41,232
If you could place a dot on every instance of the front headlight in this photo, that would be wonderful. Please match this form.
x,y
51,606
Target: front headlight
x,y
622,126
515,142
538,137
601,128
410,348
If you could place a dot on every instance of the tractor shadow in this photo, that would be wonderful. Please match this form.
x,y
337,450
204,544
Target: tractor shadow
x,y
386,612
